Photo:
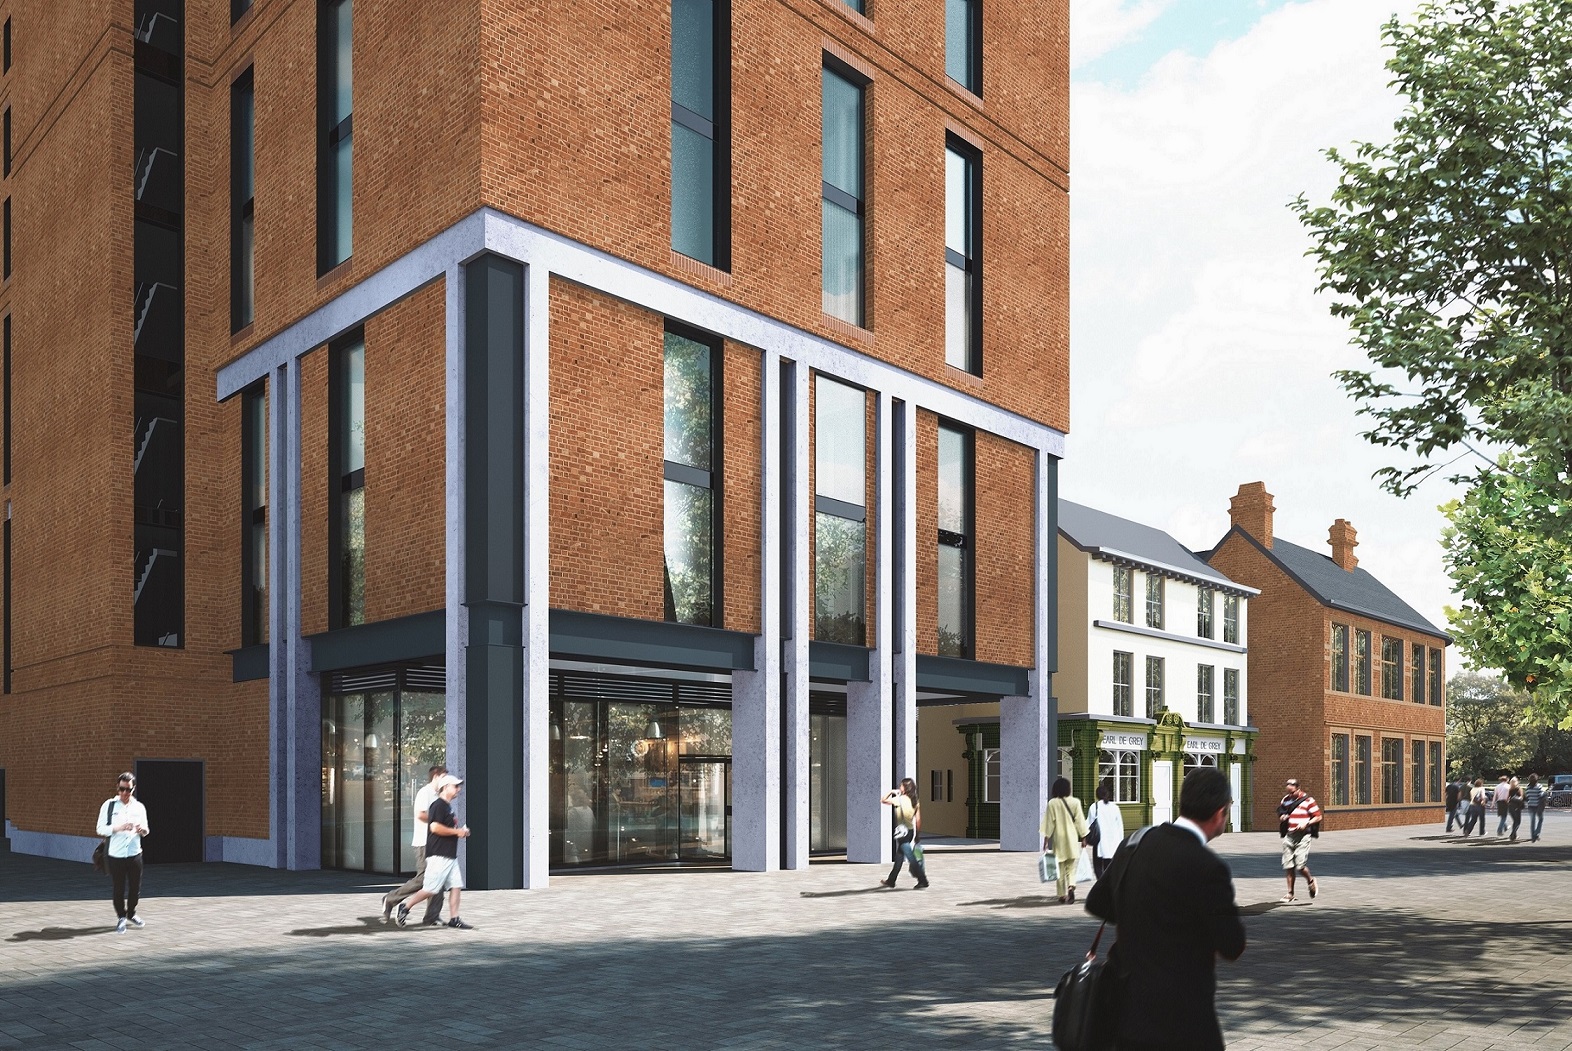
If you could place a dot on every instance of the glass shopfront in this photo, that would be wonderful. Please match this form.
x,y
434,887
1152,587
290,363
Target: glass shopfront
x,y
381,733
827,777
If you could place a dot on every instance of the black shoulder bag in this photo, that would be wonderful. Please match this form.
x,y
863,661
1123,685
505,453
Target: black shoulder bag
x,y
1086,1000
101,852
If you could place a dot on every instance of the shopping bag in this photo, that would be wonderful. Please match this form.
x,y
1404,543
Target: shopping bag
x,y
1047,867
1084,872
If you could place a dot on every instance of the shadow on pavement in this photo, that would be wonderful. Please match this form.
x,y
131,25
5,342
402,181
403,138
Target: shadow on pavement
x,y
875,889
1026,901
28,878
367,925
59,934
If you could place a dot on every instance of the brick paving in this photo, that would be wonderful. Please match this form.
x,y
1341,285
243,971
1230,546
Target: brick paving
x,y
1416,941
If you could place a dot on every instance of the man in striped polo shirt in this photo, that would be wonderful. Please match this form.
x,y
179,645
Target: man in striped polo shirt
x,y
1298,821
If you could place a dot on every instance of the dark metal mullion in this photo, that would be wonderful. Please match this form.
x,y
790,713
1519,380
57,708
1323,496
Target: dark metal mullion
x,y
337,133
840,509
694,122
957,260
837,196
681,472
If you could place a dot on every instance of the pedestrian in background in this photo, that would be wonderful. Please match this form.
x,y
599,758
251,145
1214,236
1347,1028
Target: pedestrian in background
x,y
1110,828
1515,806
391,900
1534,799
123,819
908,825
442,867
1064,832
1454,794
1298,821
1477,799
1502,791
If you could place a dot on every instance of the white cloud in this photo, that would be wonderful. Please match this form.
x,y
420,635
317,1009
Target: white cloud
x,y
1099,26
1201,355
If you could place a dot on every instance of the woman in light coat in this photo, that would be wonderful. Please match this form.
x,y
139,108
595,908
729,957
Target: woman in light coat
x,y
1064,831
1110,828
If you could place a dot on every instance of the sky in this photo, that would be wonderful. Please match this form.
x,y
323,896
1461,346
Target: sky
x,y
1201,354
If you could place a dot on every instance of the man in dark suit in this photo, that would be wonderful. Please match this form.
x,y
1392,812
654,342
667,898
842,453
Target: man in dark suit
x,y
1173,902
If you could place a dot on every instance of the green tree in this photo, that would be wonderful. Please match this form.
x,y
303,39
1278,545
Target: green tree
x,y
1449,252
1488,727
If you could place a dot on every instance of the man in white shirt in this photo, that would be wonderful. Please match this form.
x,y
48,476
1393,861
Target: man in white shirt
x,y
123,819
391,900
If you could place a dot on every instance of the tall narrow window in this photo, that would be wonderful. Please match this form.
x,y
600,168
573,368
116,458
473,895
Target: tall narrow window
x,y
691,584
6,134
1205,693
1231,697
1154,600
700,109
7,263
1391,769
5,438
1340,658
1339,769
1123,594
7,46
1362,662
1416,687
1205,606
840,514
5,584
347,465
1123,683
1435,677
1435,771
1154,686
242,202
1391,668
962,256
1417,768
1231,619
335,120
963,44
955,542
253,525
843,193
1362,770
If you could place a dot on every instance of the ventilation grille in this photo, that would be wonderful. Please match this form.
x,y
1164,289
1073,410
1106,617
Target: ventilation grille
x,y
426,678
576,686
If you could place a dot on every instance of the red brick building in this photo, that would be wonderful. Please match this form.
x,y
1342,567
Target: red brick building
x,y
394,382
1347,681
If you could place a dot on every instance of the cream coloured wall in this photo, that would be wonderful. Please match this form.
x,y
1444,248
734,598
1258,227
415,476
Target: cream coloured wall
x,y
939,747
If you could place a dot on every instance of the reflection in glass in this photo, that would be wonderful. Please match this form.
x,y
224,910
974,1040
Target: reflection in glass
x,y
952,602
954,481
689,430
958,47
353,564
839,580
693,194
693,56
843,198
842,129
840,442
957,316
689,554
842,263
826,783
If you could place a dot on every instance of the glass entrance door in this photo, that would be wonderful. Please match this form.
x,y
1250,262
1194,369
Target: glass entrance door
x,y
704,808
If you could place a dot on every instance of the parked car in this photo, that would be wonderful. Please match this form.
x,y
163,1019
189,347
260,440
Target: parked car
x,y
1560,790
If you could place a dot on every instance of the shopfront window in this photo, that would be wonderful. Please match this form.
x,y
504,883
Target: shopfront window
x,y
827,779
1199,760
1121,769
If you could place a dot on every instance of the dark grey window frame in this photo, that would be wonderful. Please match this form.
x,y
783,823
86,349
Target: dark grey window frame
x,y
839,197
6,133
718,131
5,586
675,471
1340,658
238,8
253,628
341,483
1434,677
1363,759
1417,673
971,263
242,201
331,131
7,47
1340,769
966,541
1392,769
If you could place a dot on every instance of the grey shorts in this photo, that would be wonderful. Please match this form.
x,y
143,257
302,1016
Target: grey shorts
x,y
1296,853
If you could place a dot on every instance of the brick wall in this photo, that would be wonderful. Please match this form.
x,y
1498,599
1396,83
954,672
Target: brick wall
x,y
1006,551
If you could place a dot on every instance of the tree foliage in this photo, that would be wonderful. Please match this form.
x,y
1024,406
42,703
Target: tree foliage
x,y
1488,728
1449,252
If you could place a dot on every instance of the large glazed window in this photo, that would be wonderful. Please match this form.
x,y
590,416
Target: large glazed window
x,y
963,43
1417,666
691,587
1435,678
335,131
253,525
840,516
700,109
1121,769
242,202
347,524
962,258
956,567
843,194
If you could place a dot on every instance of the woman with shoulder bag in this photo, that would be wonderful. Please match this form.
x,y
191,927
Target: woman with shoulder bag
x,y
908,824
1064,832
1109,827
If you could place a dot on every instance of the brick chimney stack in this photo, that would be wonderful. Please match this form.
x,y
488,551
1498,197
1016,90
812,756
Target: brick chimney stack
x,y
1251,510
1341,537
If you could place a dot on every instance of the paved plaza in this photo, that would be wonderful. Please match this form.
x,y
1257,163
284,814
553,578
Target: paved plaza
x,y
1417,941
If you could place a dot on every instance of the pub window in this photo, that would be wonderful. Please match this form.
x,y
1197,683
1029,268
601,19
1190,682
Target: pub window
x,y
1121,768
990,775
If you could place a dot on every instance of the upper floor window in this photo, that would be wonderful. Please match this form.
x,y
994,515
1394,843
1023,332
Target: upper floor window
x,y
843,193
1154,600
962,257
691,585
1154,686
1417,672
242,202
347,469
5,436
1391,769
1231,697
1123,683
1123,594
1391,668
5,47
1435,677
840,513
700,109
1231,619
335,123
1205,604
955,541
253,525
963,43
1362,662
1417,766
1205,693
1340,658
6,120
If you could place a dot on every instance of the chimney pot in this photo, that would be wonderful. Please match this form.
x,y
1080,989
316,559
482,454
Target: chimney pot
x,y
1251,510
1343,540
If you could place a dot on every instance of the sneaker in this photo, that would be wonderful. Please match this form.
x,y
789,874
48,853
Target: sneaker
x,y
459,925
120,927
137,921
403,915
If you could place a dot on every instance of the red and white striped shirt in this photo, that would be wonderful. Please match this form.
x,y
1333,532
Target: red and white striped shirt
x,y
1303,814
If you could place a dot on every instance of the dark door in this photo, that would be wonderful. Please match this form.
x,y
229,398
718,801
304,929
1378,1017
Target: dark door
x,y
171,789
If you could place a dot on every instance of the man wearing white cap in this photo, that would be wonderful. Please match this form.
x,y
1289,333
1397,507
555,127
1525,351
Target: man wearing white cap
x,y
442,868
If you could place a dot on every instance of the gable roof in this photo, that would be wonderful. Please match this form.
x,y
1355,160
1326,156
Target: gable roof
x,y
1119,540
1332,585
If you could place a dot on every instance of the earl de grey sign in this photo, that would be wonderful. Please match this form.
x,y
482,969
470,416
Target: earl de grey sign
x,y
1203,744
1123,741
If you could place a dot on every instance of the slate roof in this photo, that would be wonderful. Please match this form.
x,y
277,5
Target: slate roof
x,y
1356,592
1116,539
